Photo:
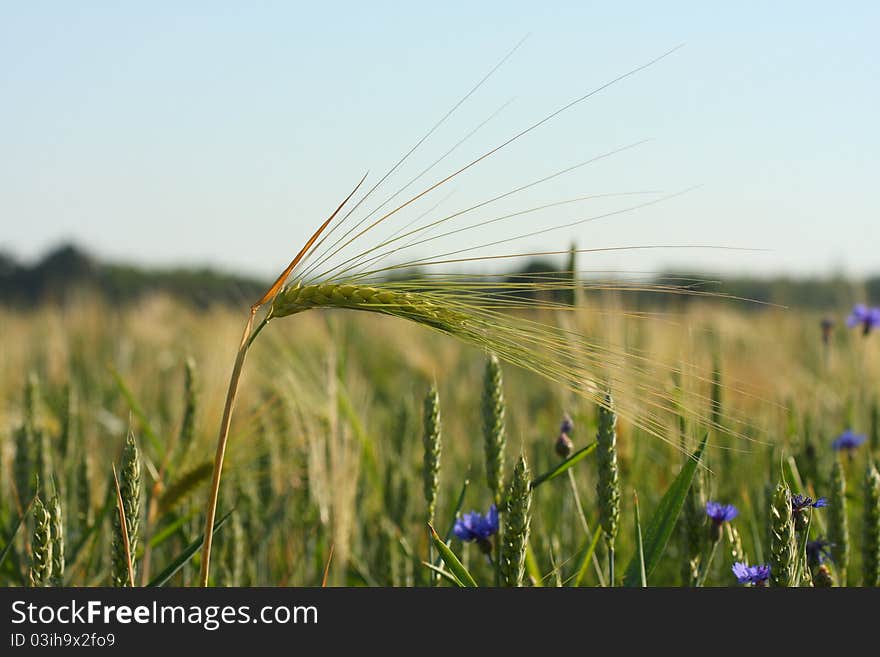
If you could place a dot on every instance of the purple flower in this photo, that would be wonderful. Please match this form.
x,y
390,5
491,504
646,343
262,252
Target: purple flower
x,y
801,502
757,575
475,526
567,425
848,440
720,512
867,318
818,551
827,325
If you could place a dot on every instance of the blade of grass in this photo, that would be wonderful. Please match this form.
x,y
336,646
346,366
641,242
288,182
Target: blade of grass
x,y
458,504
444,574
532,567
174,567
147,428
327,568
564,465
170,529
586,554
583,517
663,520
451,560
793,475
109,503
15,529
640,546
123,526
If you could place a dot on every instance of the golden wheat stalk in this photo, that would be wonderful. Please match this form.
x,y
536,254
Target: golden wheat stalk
x,y
479,310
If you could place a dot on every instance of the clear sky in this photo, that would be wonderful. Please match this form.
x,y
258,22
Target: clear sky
x,y
222,133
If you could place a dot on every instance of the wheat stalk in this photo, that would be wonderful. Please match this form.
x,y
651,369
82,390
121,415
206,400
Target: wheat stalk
x,y
838,523
127,521
782,539
41,548
517,517
871,527
431,441
481,311
57,520
608,484
494,439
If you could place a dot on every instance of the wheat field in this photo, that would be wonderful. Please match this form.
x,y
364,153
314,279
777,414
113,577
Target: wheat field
x,y
327,449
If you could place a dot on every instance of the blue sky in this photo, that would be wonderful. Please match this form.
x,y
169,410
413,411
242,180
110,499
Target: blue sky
x,y
223,133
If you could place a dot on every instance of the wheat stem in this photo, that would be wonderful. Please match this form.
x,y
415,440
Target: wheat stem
x,y
222,440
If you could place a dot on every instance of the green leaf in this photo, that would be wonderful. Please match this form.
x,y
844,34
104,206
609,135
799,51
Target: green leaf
x,y
15,531
146,427
663,521
451,560
532,568
92,531
640,545
443,573
457,509
565,465
586,553
170,529
455,512
162,578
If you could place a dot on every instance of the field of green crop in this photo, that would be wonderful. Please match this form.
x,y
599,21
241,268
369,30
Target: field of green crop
x,y
353,431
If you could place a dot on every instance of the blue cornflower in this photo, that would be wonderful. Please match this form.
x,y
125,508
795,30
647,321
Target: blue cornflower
x,y
818,551
475,526
867,318
801,502
757,575
567,425
719,513
848,440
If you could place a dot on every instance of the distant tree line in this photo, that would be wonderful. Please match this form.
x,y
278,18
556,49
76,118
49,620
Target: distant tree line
x,y
66,273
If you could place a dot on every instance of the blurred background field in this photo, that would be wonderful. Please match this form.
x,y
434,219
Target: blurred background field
x,y
326,447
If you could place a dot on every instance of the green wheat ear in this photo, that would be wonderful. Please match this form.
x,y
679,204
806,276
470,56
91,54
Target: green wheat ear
x,y
130,489
83,495
31,395
608,486
41,546
838,525
233,555
67,410
44,456
734,541
431,442
57,541
22,464
782,539
871,528
190,400
516,525
493,427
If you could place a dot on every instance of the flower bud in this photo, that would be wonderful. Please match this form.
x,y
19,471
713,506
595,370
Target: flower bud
x,y
564,446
